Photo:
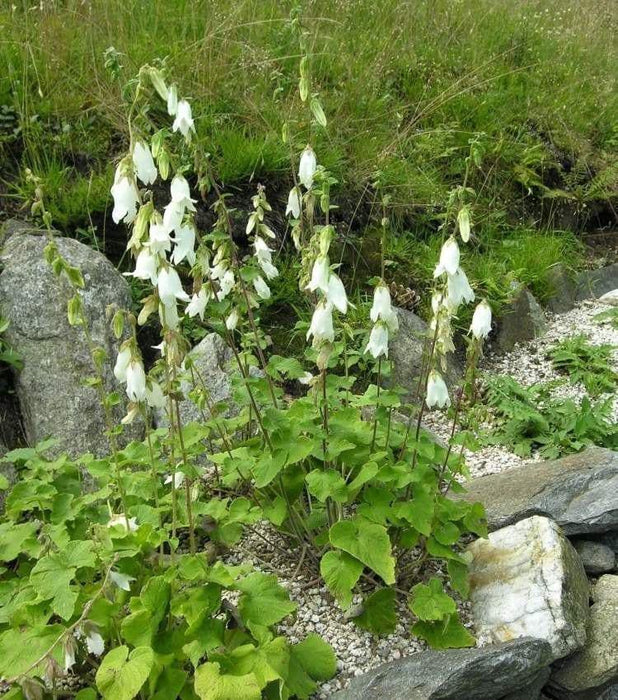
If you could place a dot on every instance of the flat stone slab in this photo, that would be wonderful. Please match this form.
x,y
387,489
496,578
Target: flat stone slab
x,y
580,492
596,557
527,580
486,673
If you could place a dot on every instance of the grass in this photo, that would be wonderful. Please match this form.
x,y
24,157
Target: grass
x,y
412,90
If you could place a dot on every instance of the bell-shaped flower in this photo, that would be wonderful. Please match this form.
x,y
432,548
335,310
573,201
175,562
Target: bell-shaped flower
x,y
173,214
122,363
458,290
170,286
294,203
198,303
184,248
449,258
172,100
226,284
378,341
180,192
232,320
145,167
320,275
168,315
136,381
306,378
95,643
335,293
178,479
307,167
268,269
159,240
391,319
321,327
261,287
184,119
481,320
381,303
437,391
146,266
119,519
154,395
70,649
126,198
123,581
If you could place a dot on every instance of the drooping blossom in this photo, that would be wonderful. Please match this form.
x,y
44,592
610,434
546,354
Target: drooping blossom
x,y
319,275
481,320
136,381
120,519
170,286
184,119
123,581
262,289
143,161
172,100
184,248
336,294
126,199
449,258
293,206
321,327
378,341
437,391
307,167
198,303
458,289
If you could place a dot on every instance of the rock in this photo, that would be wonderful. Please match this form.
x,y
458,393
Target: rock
x,y
593,284
406,348
56,358
213,367
486,673
563,289
9,473
580,492
522,320
605,589
596,665
596,557
532,691
610,298
526,580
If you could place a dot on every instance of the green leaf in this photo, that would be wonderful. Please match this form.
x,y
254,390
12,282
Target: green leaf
x,y
327,484
368,542
169,684
316,657
16,538
121,675
276,511
460,578
268,467
19,650
418,512
447,634
340,572
86,694
431,602
379,612
52,575
263,600
148,610
447,534
366,473
211,685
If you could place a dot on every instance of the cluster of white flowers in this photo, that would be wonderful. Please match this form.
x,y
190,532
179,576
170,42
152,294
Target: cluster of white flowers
x,y
454,291
385,321
331,292
129,370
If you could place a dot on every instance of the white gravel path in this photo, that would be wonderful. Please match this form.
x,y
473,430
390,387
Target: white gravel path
x,y
357,650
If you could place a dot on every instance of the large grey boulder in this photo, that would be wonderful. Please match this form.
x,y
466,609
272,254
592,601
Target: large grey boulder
x,y
589,672
596,557
526,580
593,284
563,289
486,673
51,389
406,349
523,319
580,492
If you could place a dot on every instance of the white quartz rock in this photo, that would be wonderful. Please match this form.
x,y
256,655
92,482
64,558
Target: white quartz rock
x,y
528,581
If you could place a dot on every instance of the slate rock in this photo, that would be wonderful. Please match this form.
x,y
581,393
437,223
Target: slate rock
x,y
485,673
592,284
580,492
563,289
56,359
594,669
522,319
526,580
532,691
596,557
405,349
